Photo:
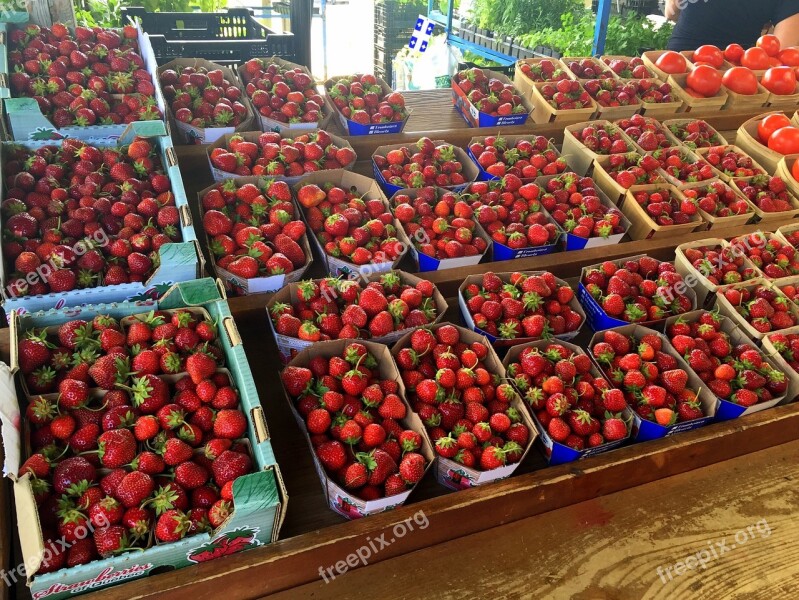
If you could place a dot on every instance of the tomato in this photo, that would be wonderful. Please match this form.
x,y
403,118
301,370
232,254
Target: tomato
x,y
780,80
671,62
790,57
709,54
704,80
733,53
774,62
785,140
795,170
770,124
769,43
740,80
755,59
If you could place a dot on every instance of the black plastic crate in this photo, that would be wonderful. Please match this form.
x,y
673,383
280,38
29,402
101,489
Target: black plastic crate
x,y
227,37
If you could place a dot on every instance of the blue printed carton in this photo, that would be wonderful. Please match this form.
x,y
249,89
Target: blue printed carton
x,y
476,118
353,127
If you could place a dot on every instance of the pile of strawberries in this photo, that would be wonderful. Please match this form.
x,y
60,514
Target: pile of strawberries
x,y
665,207
154,459
58,196
422,165
253,231
488,94
73,77
439,225
203,98
734,372
360,98
628,69
466,409
510,212
530,305
565,94
695,134
732,162
280,94
633,169
792,237
788,347
589,68
276,156
682,167
641,289
720,265
355,421
718,199
763,307
773,257
334,308
602,138
612,92
574,204
576,409
348,226
647,132
651,378
544,70
768,193
526,158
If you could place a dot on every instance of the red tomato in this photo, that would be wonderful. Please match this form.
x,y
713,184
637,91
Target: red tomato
x,y
769,43
770,124
704,80
740,80
773,61
780,80
733,53
755,59
790,57
709,54
795,170
785,140
671,62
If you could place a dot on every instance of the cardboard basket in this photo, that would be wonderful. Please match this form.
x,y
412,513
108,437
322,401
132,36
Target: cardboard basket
x,y
768,219
289,346
716,222
579,157
252,136
606,58
705,291
703,152
650,57
673,141
454,475
783,232
523,83
476,118
190,134
746,102
782,365
511,140
260,498
368,189
783,170
499,342
746,138
544,112
783,101
689,156
565,60
719,139
726,409
643,429
658,110
351,127
728,310
606,183
643,227
678,86
557,453
179,261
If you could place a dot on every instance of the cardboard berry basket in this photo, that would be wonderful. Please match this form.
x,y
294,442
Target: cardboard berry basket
x,y
511,140
557,453
716,222
747,139
339,499
256,285
650,58
454,475
252,136
189,134
703,152
689,102
565,60
476,118
783,232
705,291
783,101
643,429
499,342
720,140
727,409
783,170
579,157
544,112
771,219
178,261
26,122
426,262
470,171
728,310
658,110
746,102
597,318
288,346
614,192
773,355
523,83
291,129
606,58
368,189
354,128
643,227
260,497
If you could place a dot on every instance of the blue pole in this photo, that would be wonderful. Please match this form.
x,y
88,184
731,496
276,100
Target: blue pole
x,y
601,28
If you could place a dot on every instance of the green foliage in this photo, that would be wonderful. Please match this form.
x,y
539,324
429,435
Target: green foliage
x,y
518,17
106,13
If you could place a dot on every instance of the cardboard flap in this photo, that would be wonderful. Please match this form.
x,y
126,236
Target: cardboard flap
x,y
190,293
10,420
30,537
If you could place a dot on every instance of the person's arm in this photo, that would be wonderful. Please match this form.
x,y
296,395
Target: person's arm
x,y
787,31
672,10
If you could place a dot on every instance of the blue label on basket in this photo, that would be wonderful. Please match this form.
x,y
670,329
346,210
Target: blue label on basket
x,y
484,175
503,252
597,318
374,128
574,242
475,118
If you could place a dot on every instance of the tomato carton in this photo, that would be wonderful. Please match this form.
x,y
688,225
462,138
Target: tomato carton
x,y
748,140
679,88
650,58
